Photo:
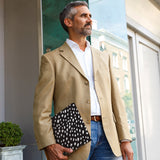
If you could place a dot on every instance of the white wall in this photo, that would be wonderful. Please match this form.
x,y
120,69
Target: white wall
x,y
2,61
144,13
21,68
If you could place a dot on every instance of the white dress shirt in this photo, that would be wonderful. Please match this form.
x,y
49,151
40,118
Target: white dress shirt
x,y
85,60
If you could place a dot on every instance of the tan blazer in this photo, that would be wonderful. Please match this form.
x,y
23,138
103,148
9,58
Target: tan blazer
x,y
63,80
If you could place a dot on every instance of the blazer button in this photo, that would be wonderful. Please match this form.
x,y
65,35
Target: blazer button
x,y
86,82
88,101
88,121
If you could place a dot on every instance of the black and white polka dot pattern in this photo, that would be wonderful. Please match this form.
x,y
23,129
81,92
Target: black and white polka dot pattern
x,y
69,128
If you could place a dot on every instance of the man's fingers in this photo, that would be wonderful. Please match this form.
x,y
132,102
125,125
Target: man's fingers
x,y
55,152
127,151
62,157
67,150
64,150
123,156
130,156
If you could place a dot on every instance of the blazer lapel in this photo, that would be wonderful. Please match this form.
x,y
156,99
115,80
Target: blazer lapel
x,y
66,52
96,62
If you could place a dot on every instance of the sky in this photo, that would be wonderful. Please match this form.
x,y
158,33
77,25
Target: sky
x,y
110,15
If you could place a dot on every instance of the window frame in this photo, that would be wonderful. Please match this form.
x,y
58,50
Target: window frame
x,y
132,29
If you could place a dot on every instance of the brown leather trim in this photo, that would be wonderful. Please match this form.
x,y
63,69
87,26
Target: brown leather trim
x,y
96,118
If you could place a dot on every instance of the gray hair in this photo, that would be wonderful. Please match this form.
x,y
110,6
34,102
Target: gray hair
x,y
69,12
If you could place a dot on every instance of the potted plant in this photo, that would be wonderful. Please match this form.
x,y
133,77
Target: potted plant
x,y
10,137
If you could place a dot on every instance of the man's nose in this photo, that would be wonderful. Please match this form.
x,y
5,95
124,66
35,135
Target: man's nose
x,y
89,19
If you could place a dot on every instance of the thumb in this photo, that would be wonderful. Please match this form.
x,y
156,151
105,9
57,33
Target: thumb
x,y
68,150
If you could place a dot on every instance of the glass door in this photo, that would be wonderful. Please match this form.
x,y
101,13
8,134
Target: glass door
x,y
110,35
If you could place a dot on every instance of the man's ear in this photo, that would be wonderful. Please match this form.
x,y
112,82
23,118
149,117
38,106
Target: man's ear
x,y
68,22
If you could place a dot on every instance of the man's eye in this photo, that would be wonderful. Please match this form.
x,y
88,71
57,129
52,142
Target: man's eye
x,y
86,15
83,15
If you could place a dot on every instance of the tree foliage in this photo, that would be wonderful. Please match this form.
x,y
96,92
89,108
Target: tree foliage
x,y
128,104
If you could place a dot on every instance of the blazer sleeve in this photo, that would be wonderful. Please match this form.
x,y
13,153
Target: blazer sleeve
x,y
42,107
118,108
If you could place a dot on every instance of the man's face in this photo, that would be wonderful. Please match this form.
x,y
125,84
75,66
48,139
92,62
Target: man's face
x,y
82,23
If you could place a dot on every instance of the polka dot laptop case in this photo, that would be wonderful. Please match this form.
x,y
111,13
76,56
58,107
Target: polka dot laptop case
x,y
69,128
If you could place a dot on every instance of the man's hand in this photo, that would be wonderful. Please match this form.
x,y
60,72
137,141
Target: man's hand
x,y
126,150
55,152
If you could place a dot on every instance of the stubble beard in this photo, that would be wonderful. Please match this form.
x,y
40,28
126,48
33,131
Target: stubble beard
x,y
86,31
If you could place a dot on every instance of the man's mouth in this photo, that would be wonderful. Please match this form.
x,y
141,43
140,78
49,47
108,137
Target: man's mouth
x,y
87,25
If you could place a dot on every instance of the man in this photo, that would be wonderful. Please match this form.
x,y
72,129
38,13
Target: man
x,y
78,73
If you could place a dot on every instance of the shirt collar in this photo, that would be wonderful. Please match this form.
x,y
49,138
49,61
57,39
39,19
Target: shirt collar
x,y
73,44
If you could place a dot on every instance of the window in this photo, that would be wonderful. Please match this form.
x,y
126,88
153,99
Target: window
x,y
115,60
115,40
102,46
146,78
125,66
118,81
126,83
